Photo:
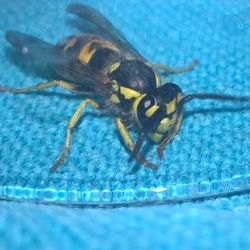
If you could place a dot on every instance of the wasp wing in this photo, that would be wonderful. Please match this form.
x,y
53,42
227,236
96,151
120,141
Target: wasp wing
x,y
104,28
83,79
35,48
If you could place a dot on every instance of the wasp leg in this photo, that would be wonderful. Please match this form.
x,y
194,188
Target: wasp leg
x,y
177,70
129,143
169,137
70,126
39,86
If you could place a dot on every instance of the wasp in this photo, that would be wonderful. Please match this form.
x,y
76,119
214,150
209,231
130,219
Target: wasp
x,y
113,77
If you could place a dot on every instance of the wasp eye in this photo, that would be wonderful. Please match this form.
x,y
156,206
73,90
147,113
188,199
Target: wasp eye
x,y
145,110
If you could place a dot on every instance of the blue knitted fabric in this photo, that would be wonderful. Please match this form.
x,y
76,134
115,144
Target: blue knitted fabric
x,y
209,155
218,224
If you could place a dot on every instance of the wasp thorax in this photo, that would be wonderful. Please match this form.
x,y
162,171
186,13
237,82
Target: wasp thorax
x,y
156,113
134,74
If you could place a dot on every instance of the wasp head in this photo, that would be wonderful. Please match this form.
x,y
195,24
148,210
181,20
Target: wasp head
x,y
156,113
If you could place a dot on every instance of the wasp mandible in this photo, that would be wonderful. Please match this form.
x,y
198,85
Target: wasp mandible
x,y
102,65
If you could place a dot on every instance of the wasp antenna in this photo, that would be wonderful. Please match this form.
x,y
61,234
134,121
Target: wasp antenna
x,y
215,97
137,146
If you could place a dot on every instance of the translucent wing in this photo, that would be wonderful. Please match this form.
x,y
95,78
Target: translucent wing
x,y
34,48
104,28
83,78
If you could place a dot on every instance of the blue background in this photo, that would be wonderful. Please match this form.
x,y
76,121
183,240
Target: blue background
x,y
209,155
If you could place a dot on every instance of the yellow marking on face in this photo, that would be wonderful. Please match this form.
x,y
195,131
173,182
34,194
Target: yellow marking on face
x,y
86,54
166,124
129,93
151,111
171,107
114,99
155,137
70,44
113,67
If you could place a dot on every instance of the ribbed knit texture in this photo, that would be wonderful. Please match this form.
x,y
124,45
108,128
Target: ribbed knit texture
x,y
209,155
